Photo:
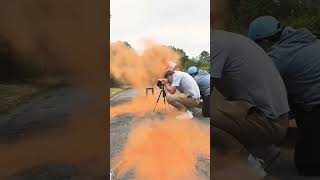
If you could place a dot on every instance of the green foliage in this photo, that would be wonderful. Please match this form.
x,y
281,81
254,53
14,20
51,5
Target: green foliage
x,y
184,59
27,68
127,44
207,67
310,22
295,13
115,91
114,82
204,57
202,61
246,10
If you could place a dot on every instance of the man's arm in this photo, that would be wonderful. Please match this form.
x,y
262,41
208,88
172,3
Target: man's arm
x,y
171,89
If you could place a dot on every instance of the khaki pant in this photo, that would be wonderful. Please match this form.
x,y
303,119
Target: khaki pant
x,y
182,102
249,127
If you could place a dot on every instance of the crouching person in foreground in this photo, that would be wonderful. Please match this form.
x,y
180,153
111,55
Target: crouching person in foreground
x,y
296,53
253,105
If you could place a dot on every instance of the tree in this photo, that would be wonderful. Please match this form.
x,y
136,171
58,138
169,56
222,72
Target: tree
x,y
296,13
127,44
204,57
184,59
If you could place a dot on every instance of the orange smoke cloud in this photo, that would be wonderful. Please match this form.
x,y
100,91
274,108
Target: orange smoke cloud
x,y
156,149
164,150
67,37
139,105
140,70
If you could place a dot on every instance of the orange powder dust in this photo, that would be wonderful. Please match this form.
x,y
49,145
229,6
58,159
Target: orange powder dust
x,y
164,150
140,70
139,105
156,149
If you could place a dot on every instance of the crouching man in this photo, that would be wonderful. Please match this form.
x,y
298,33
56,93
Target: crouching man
x,y
202,78
189,96
253,105
296,54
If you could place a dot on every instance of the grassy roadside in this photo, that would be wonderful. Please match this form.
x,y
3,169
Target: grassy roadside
x,y
12,95
115,91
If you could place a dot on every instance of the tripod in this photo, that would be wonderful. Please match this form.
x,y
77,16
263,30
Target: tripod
x,y
164,95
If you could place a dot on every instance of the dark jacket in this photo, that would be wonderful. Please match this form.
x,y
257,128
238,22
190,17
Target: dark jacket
x,y
297,57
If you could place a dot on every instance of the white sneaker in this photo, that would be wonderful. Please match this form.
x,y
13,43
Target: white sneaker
x,y
257,164
267,156
186,115
111,175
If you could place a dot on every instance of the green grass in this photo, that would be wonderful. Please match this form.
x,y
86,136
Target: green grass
x,y
115,91
11,95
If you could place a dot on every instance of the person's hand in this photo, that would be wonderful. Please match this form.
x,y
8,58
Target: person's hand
x,y
163,80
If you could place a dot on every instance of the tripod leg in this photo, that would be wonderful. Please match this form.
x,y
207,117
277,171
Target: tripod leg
x,y
164,100
157,101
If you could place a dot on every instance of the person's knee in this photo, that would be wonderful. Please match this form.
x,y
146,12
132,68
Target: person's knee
x,y
226,143
170,98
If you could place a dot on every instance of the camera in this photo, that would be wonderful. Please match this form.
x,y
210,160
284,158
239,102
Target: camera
x,y
160,84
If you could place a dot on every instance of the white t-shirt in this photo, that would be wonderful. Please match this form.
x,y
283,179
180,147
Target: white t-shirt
x,y
186,84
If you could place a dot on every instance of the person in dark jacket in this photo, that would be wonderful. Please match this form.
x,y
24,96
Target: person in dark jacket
x,y
202,78
296,54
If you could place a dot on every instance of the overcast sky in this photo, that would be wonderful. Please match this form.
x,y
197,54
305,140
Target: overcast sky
x,y
182,23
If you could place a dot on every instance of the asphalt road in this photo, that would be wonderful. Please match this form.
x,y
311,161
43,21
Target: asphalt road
x,y
121,125
53,110
34,119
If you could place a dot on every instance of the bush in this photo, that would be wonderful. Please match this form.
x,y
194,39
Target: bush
x,y
29,69
115,83
312,23
15,68
294,13
194,62
207,68
188,63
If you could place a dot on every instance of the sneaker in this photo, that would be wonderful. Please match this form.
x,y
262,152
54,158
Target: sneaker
x,y
111,175
271,154
186,115
257,164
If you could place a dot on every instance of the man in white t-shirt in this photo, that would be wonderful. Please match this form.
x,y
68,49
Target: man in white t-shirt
x,y
189,96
